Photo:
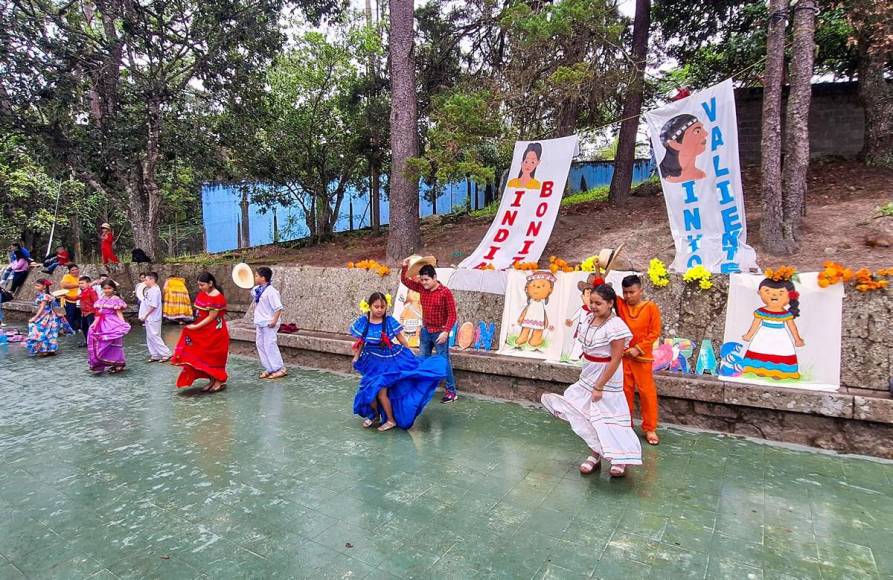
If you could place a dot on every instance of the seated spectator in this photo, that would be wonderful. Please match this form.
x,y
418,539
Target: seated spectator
x,y
61,258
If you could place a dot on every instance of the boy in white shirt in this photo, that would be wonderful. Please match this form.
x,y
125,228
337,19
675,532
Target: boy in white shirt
x,y
267,312
150,314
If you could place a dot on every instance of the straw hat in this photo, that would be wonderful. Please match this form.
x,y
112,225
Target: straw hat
x,y
416,262
243,276
105,226
59,293
608,257
140,291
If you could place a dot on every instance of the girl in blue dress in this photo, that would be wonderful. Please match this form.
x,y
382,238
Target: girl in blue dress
x,y
395,385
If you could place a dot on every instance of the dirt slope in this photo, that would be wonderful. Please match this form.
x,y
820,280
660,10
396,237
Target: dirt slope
x,y
842,204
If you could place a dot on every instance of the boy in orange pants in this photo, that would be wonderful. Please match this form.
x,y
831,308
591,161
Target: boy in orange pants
x,y
643,319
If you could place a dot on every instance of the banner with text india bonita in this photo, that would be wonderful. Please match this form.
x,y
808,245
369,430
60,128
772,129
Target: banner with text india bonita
x,y
695,143
529,205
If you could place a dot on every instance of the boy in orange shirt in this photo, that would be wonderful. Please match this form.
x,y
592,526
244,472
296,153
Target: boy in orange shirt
x,y
643,319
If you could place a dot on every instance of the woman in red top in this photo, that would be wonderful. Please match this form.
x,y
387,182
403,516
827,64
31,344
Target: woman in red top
x,y
204,345
106,239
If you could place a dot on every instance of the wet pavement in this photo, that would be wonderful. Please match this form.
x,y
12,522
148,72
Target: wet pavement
x,y
121,476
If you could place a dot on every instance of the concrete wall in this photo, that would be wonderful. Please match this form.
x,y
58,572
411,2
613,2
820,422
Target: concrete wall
x,y
326,300
836,121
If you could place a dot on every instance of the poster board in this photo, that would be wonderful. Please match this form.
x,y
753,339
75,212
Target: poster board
x,y
529,205
772,355
695,143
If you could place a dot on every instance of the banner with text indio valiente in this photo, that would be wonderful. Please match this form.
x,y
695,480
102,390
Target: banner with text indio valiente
x,y
695,143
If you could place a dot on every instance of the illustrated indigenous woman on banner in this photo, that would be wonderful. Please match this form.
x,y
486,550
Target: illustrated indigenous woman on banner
x,y
695,140
773,336
529,205
784,330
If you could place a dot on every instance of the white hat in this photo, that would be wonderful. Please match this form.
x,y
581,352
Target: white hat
x,y
105,226
607,257
243,276
416,263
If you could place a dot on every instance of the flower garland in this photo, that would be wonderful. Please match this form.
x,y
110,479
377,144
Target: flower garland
x,y
863,280
866,281
364,304
558,265
698,274
657,273
526,266
782,274
371,266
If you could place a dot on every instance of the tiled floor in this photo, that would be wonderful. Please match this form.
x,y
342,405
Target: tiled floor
x,y
121,476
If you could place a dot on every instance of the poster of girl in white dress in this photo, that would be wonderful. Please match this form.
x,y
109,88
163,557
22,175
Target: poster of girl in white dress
x,y
531,319
783,331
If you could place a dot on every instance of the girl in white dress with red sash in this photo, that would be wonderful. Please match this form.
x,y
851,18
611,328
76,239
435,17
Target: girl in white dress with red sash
x,y
595,405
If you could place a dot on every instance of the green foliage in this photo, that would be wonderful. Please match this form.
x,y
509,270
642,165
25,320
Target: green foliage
x,y
309,138
718,39
464,124
885,210
563,67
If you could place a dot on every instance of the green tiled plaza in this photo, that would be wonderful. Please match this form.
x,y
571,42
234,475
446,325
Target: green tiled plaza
x,y
123,477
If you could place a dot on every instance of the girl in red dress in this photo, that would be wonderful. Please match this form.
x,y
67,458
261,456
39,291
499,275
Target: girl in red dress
x,y
204,345
106,239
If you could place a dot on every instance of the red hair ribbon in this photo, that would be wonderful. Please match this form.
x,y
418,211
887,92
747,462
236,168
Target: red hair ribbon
x,y
358,344
386,340
598,282
794,295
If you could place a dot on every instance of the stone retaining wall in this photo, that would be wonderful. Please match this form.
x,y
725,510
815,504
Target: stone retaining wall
x,y
325,300
844,422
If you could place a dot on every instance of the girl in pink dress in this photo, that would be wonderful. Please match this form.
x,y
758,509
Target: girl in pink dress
x,y
105,339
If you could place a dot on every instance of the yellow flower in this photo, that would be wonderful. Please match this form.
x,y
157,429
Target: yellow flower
x,y
364,306
657,273
698,274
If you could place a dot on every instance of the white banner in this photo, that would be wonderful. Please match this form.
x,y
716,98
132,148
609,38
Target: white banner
x,y
529,205
695,143
782,334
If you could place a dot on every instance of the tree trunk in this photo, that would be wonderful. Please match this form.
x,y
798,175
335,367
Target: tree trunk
x,y
404,236
771,226
877,96
625,157
245,232
76,246
796,162
145,195
375,199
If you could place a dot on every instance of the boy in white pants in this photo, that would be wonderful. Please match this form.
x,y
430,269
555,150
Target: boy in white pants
x,y
267,312
150,314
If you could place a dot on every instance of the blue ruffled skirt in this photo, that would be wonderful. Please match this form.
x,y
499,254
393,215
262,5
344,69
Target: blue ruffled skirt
x,y
410,382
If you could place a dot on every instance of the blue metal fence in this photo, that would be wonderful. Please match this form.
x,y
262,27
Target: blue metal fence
x,y
222,212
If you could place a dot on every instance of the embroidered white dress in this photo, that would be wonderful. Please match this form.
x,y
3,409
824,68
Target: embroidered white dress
x,y
535,317
605,425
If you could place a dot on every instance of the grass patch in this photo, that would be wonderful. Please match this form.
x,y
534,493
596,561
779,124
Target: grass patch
x,y
885,210
203,259
594,194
